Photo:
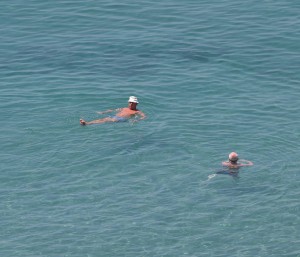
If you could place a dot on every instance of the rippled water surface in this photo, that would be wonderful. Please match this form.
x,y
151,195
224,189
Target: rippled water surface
x,y
211,76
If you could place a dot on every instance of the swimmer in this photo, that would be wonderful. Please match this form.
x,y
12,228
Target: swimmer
x,y
233,163
123,114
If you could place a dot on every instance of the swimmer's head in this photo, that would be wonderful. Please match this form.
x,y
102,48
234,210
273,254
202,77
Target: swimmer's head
x,y
133,99
233,157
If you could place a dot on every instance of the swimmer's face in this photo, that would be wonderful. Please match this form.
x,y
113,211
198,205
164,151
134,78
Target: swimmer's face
x,y
132,105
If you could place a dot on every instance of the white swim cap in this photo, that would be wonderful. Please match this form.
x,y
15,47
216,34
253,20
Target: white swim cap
x,y
133,99
233,156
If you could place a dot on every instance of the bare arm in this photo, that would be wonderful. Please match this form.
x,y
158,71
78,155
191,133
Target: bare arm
x,y
246,163
142,115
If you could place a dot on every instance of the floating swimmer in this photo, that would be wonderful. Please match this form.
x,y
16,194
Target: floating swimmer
x,y
123,114
232,166
234,162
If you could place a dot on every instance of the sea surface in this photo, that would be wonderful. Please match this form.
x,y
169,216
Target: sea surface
x,y
212,77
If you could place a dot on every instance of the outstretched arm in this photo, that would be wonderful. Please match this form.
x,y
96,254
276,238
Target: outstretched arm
x,y
246,163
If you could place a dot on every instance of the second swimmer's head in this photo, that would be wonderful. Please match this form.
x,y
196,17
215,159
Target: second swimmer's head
x,y
233,157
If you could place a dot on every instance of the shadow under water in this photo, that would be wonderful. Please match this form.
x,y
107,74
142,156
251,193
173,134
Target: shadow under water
x,y
234,173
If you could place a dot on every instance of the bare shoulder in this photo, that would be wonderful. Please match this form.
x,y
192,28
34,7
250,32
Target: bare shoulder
x,y
225,163
230,165
139,111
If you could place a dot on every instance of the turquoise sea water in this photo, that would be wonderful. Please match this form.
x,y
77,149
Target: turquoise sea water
x,y
211,76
